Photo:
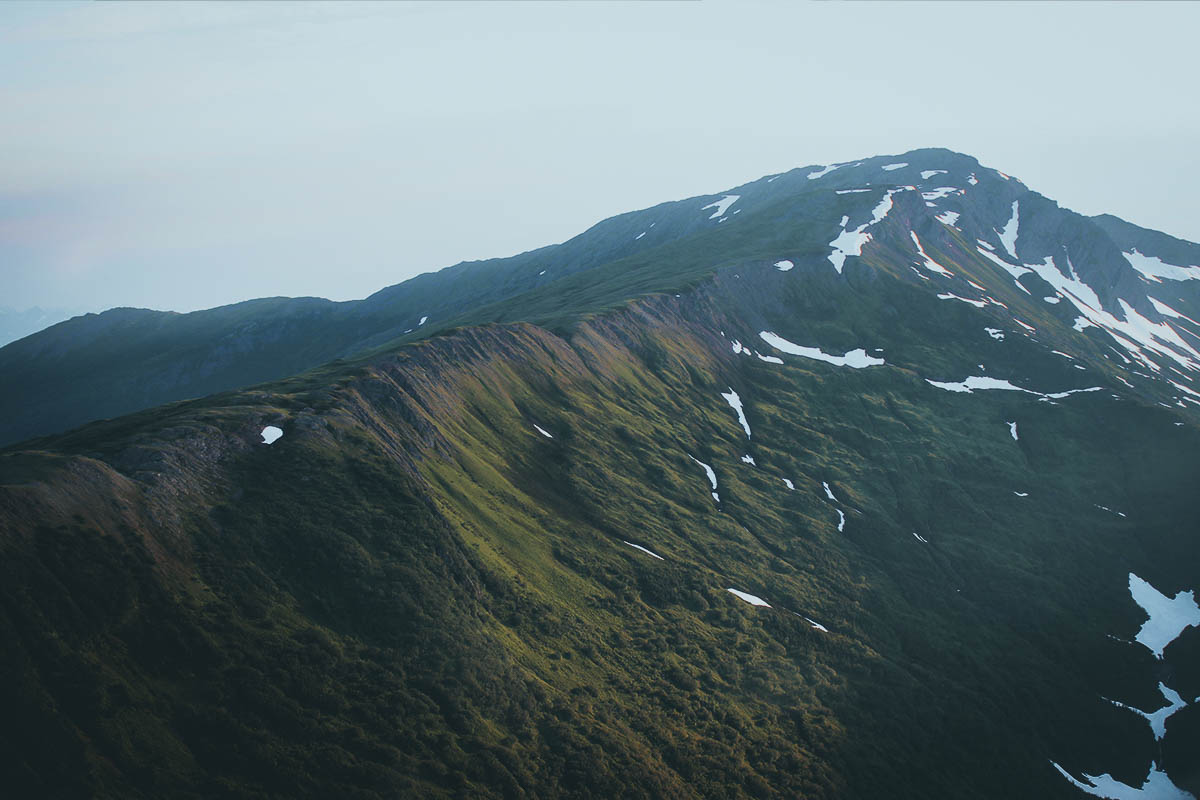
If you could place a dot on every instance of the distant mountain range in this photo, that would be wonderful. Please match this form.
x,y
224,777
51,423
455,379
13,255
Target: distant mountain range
x,y
867,480
19,323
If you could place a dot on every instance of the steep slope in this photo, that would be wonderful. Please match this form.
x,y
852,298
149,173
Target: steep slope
x,y
826,520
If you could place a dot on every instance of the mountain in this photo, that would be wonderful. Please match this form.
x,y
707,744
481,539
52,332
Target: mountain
x,y
867,480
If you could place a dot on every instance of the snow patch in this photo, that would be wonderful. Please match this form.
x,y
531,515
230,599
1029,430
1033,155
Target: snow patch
x,y
1156,269
1168,616
753,600
1069,392
640,235
926,174
721,205
712,476
1008,236
644,550
1158,719
769,359
850,243
828,491
1012,428
995,333
1133,333
970,384
1167,311
788,484
890,167
948,218
784,266
749,459
929,263
812,176
858,359
841,520
1156,787
270,434
951,296
543,431
735,403
940,192
1021,494
422,322
920,538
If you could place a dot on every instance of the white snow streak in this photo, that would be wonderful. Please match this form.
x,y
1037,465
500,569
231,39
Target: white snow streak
x,y
952,296
1008,236
812,176
1168,616
929,263
858,358
1167,311
970,384
1133,333
543,431
753,600
1156,787
1158,719
940,192
721,205
735,403
851,242
644,550
1155,269
712,476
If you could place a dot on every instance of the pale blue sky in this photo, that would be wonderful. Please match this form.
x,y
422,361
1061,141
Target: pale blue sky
x,y
184,156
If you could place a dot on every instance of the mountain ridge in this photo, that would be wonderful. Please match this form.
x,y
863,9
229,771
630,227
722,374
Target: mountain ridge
x,y
729,516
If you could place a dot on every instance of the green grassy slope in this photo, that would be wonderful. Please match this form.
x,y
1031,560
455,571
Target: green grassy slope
x,y
414,592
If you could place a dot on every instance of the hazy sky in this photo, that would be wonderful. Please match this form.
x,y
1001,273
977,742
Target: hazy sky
x,y
185,156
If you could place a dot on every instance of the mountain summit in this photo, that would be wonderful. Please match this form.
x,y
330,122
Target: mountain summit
x,y
874,479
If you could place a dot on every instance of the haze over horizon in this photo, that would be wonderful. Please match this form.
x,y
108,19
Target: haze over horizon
x,y
186,156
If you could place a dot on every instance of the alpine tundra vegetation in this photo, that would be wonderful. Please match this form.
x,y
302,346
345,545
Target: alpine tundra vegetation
x,y
864,480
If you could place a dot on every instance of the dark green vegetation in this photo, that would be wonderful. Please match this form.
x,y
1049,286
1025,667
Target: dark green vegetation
x,y
415,593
